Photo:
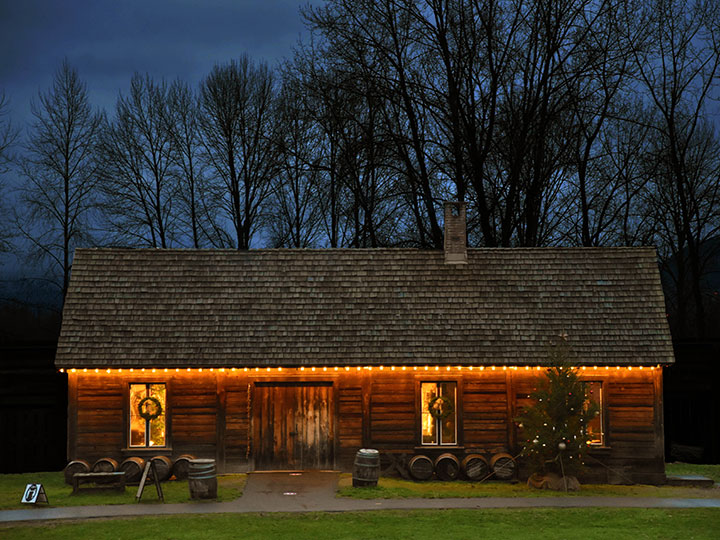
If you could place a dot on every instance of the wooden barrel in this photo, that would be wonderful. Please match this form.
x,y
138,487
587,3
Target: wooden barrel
x,y
475,467
366,469
76,466
447,467
421,467
163,466
503,465
202,479
133,469
181,465
105,464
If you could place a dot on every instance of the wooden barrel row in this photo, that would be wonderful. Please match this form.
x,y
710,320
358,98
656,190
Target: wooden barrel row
x,y
132,467
474,467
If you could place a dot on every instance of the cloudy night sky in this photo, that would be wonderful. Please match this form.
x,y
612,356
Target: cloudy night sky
x,y
107,41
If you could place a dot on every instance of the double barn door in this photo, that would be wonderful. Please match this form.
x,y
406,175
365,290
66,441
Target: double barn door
x,y
293,426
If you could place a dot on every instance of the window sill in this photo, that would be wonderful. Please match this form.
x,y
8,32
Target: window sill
x,y
147,451
599,450
439,447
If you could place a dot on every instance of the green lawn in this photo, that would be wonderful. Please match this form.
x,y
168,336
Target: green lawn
x,y
711,471
230,487
12,487
588,524
394,488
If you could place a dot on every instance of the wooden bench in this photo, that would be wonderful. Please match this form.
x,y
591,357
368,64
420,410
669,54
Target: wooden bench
x,y
108,480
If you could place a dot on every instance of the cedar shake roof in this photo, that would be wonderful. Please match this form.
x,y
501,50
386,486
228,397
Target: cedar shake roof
x,y
223,308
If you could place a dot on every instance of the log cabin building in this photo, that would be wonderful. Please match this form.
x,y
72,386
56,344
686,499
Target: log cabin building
x,y
295,359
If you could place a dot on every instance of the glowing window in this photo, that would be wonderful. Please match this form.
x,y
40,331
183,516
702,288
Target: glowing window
x,y
439,412
593,393
147,415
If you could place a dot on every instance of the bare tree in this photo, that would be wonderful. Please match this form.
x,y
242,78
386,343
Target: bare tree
x,y
608,196
8,137
679,72
605,118
8,134
238,122
327,104
295,216
378,43
197,201
139,189
59,170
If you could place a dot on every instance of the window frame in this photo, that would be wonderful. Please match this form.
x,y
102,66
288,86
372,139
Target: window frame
x,y
438,428
128,415
602,408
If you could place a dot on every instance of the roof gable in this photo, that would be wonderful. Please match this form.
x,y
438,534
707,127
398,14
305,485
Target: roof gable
x,y
177,308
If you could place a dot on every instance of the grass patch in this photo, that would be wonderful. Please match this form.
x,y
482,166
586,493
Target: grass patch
x,y
711,471
586,523
396,488
12,487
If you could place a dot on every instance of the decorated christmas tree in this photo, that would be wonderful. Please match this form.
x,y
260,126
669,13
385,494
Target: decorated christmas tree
x,y
554,428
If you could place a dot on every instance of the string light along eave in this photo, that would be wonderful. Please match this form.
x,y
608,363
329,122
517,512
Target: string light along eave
x,y
324,369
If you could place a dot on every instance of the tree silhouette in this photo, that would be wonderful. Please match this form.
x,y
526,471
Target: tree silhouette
x,y
59,169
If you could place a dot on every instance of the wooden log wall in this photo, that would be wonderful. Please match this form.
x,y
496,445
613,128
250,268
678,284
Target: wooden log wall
x,y
98,415
99,423
237,426
210,415
486,412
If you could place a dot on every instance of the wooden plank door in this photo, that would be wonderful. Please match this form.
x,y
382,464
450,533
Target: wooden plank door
x,y
293,426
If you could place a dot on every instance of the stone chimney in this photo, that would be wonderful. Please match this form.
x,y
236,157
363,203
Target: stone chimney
x,y
455,233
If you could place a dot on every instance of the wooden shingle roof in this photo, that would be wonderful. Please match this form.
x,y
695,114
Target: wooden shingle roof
x,y
196,308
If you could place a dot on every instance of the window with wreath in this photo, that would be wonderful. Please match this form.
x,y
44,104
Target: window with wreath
x,y
593,394
439,412
147,415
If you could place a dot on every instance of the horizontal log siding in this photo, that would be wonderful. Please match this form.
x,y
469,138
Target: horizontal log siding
x,y
633,423
194,407
392,412
372,409
485,411
349,420
100,427
101,424
237,425
635,430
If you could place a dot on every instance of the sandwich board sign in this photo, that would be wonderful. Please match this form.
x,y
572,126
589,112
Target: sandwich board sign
x,y
34,493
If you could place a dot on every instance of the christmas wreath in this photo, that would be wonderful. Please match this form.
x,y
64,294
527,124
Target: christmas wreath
x,y
440,407
147,415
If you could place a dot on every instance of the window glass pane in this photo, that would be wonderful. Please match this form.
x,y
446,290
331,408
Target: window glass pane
x,y
157,426
593,391
448,390
428,392
137,423
439,430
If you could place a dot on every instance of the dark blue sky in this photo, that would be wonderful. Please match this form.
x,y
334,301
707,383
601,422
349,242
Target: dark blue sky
x,y
108,40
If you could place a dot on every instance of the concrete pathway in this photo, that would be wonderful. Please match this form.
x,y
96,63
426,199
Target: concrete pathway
x,y
314,491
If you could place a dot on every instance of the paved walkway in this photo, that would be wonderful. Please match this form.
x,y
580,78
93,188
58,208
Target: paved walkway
x,y
314,491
